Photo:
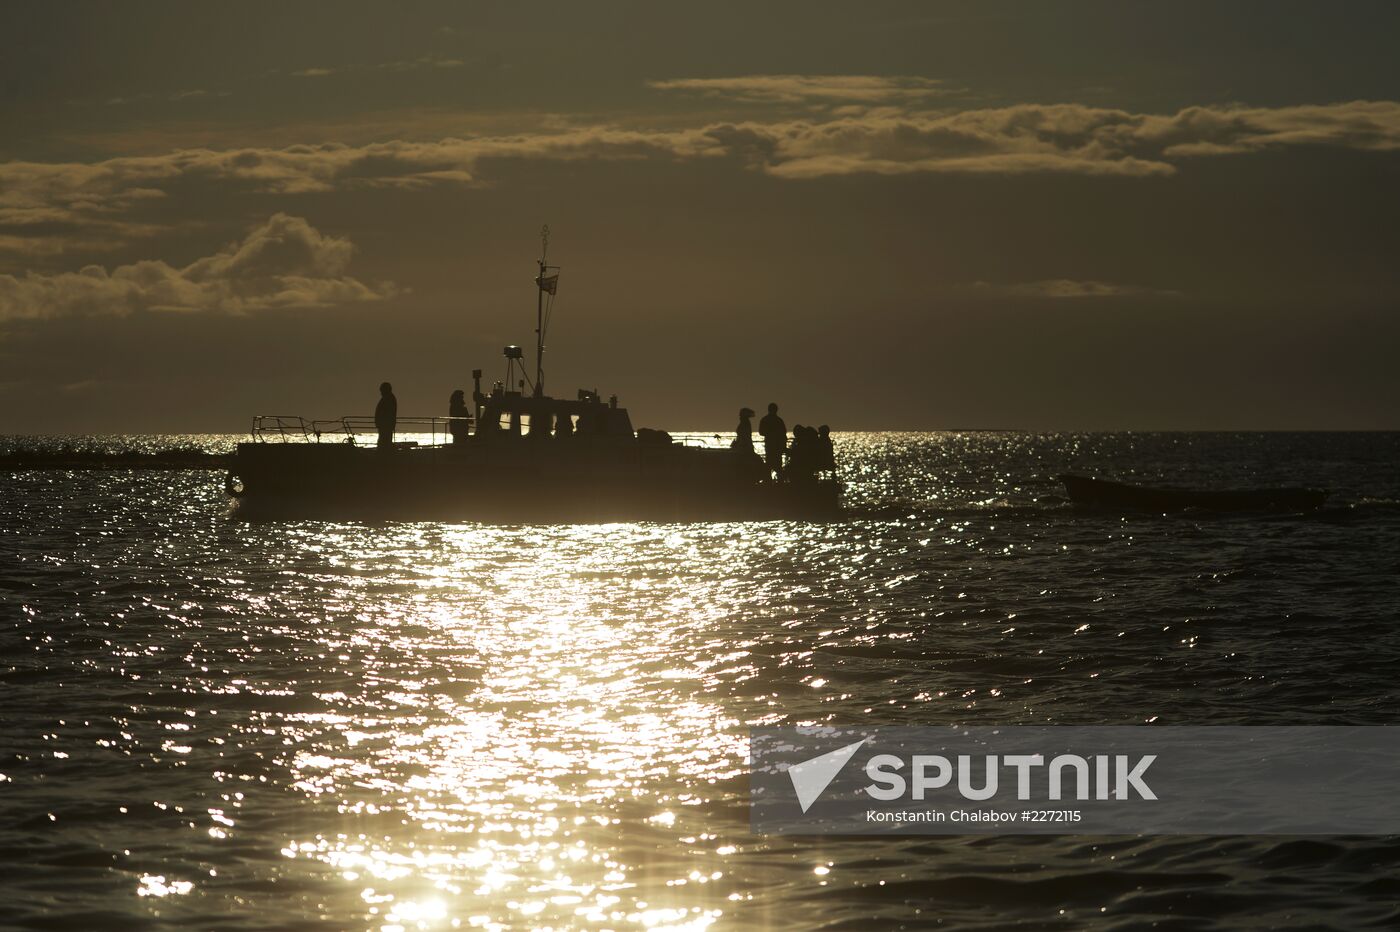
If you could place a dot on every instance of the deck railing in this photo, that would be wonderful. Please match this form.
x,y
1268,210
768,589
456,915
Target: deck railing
x,y
286,428
701,438
289,428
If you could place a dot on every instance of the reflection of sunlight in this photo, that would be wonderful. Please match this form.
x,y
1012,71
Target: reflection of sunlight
x,y
526,728
157,885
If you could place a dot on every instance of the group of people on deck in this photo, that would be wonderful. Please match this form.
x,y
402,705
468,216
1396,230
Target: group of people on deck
x,y
591,418
811,451
386,416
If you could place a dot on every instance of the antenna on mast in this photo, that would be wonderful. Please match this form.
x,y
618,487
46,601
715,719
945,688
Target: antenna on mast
x,y
546,283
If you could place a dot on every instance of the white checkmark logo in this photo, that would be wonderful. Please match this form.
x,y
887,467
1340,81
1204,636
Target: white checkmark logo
x,y
811,777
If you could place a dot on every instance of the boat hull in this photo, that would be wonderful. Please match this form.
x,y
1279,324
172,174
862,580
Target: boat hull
x,y
516,481
1119,496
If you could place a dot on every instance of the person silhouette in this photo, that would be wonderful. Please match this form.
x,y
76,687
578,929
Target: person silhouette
x,y
457,408
828,450
743,434
386,415
802,453
774,433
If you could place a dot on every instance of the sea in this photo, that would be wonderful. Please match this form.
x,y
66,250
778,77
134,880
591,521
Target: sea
x,y
210,722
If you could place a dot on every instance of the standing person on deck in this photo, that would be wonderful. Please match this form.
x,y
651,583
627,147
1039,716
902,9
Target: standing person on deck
x,y
774,433
827,461
743,434
386,415
459,427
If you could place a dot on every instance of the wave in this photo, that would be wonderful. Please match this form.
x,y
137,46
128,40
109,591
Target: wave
x,y
71,458
1052,507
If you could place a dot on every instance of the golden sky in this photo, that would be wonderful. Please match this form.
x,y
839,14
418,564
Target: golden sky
x,y
923,215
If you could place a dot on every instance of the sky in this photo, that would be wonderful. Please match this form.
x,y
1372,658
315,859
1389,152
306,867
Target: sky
x,y
1068,216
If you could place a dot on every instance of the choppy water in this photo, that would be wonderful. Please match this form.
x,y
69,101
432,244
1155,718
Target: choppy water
x,y
208,723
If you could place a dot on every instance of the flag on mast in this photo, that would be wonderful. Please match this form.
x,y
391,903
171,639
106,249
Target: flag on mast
x,y
548,283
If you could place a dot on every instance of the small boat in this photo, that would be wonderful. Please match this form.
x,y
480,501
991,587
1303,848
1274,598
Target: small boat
x,y
1119,496
520,456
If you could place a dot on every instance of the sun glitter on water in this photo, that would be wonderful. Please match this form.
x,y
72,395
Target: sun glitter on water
x,y
500,773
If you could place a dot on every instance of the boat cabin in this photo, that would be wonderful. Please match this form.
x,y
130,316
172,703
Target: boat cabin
x,y
513,413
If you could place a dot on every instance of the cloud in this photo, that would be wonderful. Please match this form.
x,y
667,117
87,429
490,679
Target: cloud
x,y
1359,124
104,200
45,199
283,263
807,88
1010,140
1065,288
44,231
192,94
413,64
1050,138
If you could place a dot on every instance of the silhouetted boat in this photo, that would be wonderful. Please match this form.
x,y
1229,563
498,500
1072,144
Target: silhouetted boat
x,y
1100,493
523,456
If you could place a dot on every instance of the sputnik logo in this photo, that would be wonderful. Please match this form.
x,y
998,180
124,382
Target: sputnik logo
x,y
811,777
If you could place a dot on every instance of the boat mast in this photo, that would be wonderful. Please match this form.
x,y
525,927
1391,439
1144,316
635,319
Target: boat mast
x,y
539,315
